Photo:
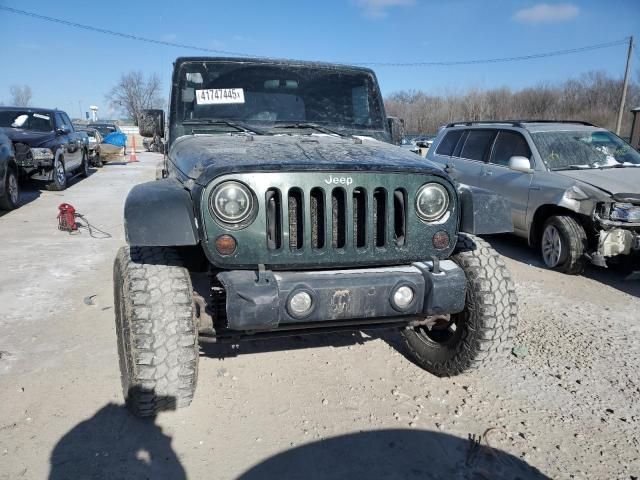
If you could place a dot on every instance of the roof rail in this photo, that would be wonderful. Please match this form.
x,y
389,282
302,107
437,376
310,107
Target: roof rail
x,y
514,123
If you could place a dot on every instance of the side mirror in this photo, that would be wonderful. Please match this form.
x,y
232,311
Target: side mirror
x,y
63,130
520,164
396,128
151,123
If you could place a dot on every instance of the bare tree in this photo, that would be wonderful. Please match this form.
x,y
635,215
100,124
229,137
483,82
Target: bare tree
x,y
593,97
20,95
134,93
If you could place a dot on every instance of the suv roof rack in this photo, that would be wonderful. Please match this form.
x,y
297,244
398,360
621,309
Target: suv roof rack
x,y
515,123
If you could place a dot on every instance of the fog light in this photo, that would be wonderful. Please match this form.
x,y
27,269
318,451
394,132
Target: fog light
x,y
441,240
225,244
300,304
403,297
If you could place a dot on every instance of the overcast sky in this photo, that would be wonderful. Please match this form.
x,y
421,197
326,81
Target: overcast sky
x,y
69,68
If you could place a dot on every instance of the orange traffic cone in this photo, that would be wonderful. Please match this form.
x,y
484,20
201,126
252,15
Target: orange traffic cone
x,y
132,156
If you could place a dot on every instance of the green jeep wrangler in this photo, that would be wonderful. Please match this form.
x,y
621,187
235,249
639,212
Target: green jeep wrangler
x,y
285,208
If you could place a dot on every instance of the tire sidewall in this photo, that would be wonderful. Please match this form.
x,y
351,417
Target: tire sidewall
x,y
572,244
55,183
8,201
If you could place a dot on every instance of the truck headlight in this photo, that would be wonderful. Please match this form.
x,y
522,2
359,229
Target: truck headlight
x,y
432,202
42,154
625,212
232,202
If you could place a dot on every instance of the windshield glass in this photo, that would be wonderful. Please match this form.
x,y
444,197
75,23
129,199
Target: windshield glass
x,y
266,95
40,122
584,149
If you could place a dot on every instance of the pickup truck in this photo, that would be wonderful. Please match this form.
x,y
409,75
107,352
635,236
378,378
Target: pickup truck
x,y
47,147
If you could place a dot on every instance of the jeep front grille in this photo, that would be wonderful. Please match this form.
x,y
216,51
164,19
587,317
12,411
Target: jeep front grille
x,y
359,219
310,220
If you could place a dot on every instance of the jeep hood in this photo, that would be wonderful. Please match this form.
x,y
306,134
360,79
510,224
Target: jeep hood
x,y
29,137
204,157
610,180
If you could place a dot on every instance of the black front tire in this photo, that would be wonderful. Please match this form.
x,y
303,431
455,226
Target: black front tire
x,y
156,329
97,161
84,166
571,244
10,199
58,180
482,334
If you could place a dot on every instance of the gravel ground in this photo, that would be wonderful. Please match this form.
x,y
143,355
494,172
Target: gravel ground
x,y
327,406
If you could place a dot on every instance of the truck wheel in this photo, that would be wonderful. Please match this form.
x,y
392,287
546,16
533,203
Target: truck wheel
x,y
156,329
563,244
58,176
11,197
482,333
84,166
97,161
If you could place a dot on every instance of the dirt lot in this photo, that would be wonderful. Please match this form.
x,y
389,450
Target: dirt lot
x,y
331,406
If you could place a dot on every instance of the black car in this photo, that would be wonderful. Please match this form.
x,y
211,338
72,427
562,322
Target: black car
x,y
9,187
47,147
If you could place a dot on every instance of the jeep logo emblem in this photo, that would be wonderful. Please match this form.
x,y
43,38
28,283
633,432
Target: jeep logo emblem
x,y
338,181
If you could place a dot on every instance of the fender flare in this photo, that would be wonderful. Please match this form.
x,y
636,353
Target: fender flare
x,y
160,213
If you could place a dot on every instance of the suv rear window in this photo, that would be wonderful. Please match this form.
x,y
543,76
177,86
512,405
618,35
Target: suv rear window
x,y
477,143
448,143
509,144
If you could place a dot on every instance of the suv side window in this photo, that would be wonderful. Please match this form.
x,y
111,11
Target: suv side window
x,y
448,143
507,145
477,144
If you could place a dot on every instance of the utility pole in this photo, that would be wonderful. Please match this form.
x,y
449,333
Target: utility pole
x,y
625,85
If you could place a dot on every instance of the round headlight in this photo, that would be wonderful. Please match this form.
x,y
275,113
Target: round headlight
x,y
231,202
432,202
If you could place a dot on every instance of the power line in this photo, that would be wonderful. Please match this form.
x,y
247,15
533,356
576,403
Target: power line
x,y
117,34
370,64
498,60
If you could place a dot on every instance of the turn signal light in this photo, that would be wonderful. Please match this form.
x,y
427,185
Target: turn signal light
x,y
225,244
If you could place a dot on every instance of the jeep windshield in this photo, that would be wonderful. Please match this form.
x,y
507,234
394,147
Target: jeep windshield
x,y
277,99
40,122
565,150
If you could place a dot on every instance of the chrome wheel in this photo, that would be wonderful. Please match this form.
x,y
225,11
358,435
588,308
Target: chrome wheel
x,y
551,246
14,192
61,176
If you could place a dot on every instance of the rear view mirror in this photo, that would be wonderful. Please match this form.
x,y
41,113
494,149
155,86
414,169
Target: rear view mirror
x,y
151,123
520,164
396,128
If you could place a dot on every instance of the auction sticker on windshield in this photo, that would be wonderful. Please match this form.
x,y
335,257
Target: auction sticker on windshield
x,y
215,96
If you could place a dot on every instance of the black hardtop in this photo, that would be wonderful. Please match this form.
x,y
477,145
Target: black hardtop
x,y
273,61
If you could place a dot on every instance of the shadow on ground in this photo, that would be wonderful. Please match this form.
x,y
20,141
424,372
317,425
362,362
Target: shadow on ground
x,y
623,277
113,444
393,454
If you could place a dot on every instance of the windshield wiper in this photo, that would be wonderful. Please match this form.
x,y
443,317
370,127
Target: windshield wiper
x,y
574,167
311,126
241,127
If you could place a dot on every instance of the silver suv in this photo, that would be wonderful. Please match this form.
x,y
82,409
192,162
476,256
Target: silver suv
x,y
574,188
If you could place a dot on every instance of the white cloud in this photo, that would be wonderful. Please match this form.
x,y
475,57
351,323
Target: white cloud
x,y
378,8
547,13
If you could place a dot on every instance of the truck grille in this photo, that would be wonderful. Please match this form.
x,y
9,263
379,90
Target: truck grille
x,y
311,220
359,219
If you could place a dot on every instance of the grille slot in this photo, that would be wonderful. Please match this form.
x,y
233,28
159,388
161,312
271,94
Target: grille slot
x,y
379,217
273,203
296,219
318,216
400,216
338,218
359,217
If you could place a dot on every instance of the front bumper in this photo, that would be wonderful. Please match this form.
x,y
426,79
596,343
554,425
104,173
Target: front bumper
x,y
259,301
